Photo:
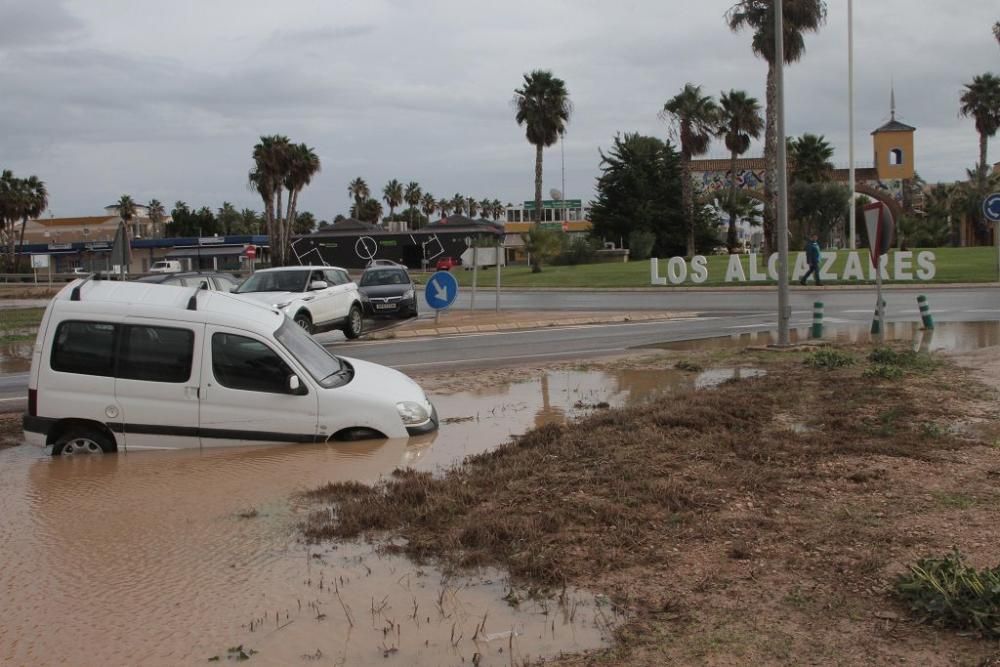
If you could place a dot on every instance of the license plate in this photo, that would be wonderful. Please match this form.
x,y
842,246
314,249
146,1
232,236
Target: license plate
x,y
384,306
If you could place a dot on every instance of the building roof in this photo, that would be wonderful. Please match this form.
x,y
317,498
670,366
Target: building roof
x,y
351,223
754,163
895,126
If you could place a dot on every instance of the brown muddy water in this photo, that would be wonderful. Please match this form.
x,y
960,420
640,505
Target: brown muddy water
x,y
176,557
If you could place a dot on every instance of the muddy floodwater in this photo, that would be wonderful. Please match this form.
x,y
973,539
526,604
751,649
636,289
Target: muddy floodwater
x,y
177,557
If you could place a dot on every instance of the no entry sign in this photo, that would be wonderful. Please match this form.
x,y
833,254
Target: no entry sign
x,y
880,225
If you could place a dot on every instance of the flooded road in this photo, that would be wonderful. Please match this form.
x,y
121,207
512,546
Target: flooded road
x,y
176,557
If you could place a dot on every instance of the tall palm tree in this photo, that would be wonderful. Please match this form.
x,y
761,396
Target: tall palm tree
x,y
392,195
497,209
412,195
34,199
444,205
9,212
267,177
303,164
126,211
981,102
800,16
809,158
485,208
739,122
157,216
472,206
542,105
696,117
428,205
359,190
458,204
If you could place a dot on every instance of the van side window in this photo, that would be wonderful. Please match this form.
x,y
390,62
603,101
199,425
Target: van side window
x,y
84,347
243,363
157,354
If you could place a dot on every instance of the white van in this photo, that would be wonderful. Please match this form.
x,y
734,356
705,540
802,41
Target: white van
x,y
166,266
123,366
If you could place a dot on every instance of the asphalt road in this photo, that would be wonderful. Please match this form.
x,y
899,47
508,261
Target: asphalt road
x,y
719,313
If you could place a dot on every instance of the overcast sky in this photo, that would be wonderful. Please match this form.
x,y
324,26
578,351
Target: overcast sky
x,y
166,99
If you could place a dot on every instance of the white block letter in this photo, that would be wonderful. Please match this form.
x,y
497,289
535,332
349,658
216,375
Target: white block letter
x,y
699,269
735,270
756,275
677,270
902,265
826,272
772,267
654,272
853,270
925,262
801,266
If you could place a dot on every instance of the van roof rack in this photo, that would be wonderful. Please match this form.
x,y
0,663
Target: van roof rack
x,y
75,294
193,301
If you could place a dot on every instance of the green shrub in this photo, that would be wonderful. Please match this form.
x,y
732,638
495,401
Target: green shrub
x,y
640,244
947,592
884,372
828,358
902,358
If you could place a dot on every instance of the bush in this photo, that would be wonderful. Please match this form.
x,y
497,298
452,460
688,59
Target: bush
x,y
901,358
640,244
577,250
884,372
829,359
946,591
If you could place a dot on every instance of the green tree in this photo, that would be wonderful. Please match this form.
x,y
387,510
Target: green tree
x,y
358,189
696,117
20,199
739,122
392,195
412,195
428,205
542,245
472,206
496,209
271,157
367,210
228,218
444,205
305,223
542,105
809,158
818,208
158,217
303,165
639,189
981,102
485,208
800,16
458,204
249,222
126,211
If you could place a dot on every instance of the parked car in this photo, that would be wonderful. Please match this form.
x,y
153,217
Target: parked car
x,y
166,266
388,291
315,297
220,282
132,366
382,262
447,263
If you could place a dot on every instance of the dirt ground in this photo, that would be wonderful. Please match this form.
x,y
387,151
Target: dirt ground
x,y
762,522
10,430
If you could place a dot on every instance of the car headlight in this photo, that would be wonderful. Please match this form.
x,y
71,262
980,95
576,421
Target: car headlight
x,y
412,413
408,294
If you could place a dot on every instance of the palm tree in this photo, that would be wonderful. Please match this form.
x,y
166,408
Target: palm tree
x,y
271,158
157,216
697,118
444,205
458,204
497,209
392,195
126,211
981,101
485,208
359,190
739,122
799,16
34,199
542,105
428,205
411,195
303,164
809,158
472,206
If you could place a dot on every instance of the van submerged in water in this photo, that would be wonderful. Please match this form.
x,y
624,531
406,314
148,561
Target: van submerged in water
x,y
124,366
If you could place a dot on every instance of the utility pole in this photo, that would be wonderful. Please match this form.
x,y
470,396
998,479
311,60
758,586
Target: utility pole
x,y
784,310
850,119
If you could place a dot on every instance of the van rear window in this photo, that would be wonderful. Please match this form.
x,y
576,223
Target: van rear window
x,y
84,347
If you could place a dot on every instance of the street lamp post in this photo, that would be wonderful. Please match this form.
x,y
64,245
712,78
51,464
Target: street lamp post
x,y
850,118
784,310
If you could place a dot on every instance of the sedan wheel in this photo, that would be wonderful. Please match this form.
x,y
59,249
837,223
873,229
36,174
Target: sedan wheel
x,y
304,321
354,323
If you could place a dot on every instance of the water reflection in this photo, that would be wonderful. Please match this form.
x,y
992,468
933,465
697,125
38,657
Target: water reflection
x,y
16,357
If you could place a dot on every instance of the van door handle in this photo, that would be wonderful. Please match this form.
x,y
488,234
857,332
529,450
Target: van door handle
x,y
192,393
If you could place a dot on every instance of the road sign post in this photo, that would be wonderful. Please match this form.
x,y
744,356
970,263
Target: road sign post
x,y
991,211
880,226
441,292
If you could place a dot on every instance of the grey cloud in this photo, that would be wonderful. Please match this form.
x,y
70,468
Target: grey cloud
x,y
33,23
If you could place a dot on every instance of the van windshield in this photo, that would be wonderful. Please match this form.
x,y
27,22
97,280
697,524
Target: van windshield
x,y
325,368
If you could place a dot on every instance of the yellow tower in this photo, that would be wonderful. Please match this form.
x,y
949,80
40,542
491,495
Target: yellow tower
x,y
893,144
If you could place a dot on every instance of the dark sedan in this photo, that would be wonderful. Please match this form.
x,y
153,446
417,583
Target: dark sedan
x,y
388,292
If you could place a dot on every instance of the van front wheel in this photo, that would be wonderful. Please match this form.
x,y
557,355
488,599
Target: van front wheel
x,y
82,441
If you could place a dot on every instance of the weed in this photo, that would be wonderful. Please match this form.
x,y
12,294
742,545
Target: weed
x,y
932,431
250,513
829,359
690,366
959,501
883,372
946,591
909,359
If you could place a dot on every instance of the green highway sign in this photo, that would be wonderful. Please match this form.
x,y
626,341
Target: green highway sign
x,y
555,204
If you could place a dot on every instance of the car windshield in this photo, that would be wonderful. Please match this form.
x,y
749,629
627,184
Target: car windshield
x,y
325,368
384,277
275,281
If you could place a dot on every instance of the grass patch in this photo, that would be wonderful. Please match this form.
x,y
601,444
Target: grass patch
x,y
829,358
884,372
948,592
959,501
690,366
15,319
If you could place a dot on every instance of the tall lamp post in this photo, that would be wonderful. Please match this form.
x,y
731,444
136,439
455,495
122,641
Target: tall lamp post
x,y
850,119
784,310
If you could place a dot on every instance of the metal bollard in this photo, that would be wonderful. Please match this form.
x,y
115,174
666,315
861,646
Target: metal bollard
x,y
925,312
876,330
817,327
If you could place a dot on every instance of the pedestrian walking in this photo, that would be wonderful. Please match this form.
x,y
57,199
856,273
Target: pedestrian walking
x,y
812,258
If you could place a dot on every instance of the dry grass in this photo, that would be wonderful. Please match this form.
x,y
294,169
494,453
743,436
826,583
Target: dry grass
x,y
710,509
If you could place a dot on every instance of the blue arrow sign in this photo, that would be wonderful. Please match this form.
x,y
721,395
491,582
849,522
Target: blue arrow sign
x,y
441,291
991,207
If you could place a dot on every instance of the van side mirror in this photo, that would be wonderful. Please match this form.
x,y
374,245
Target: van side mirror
x,y
295,385
318,284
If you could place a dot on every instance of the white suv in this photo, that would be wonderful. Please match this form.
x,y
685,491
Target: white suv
x,y
315,297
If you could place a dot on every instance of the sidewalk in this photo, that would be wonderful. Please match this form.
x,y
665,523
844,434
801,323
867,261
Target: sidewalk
x,y
467,321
